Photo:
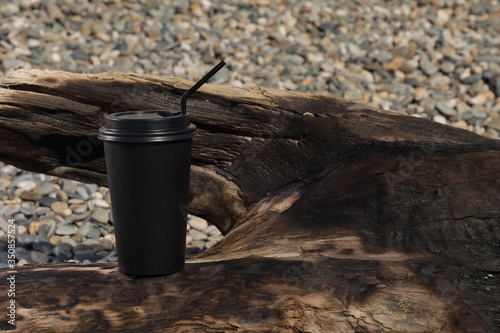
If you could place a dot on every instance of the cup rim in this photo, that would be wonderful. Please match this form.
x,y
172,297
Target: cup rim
x,y
173,114
163,125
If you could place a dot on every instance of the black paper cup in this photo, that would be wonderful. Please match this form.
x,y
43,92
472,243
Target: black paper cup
x,y
148,157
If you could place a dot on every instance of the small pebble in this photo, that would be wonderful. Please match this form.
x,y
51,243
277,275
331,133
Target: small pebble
x,y
62,196
447,67
197,223
55,240
495,124
111,237
78,208
409,66
78,238
21,229
47,227
198,243
395,64
47,201
427,66
46,189
197,235
69,240
445,109
471,78
440,119
101,203
33,227
82,192
420,94
106,243
478,99
64,250
30,196
93,233
28,211
64,229
39,257
43,246
101,215
212,230
26,185
61,208
22,262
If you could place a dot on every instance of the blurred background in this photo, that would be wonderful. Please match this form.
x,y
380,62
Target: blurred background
x,y
434,59
437,59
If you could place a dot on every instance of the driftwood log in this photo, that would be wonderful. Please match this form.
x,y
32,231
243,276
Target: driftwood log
x,y
338,217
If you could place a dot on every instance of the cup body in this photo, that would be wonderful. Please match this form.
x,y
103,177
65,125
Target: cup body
x,y
148,177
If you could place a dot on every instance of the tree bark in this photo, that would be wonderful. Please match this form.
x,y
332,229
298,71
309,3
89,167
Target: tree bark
x,y
338,217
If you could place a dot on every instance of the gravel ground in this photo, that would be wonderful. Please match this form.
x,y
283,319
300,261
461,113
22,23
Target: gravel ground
x,y
59,220
435,59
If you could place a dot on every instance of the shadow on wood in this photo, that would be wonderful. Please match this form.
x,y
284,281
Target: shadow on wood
x,y
338,217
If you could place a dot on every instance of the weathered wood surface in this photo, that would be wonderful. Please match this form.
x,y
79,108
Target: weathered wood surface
x,y
339,217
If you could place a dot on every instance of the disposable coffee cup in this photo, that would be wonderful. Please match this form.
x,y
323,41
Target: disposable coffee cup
x,y
148,157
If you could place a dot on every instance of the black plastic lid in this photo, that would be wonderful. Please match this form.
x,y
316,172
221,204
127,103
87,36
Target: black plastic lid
x,y
147,126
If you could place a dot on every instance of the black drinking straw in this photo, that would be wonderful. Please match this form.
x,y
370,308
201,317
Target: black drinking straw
x,y
199,84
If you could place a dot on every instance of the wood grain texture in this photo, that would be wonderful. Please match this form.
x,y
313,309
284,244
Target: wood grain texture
x,y
339,217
